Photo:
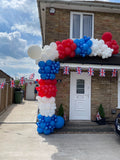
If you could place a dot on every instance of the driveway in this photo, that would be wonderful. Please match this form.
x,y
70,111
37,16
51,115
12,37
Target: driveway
x,y
19,140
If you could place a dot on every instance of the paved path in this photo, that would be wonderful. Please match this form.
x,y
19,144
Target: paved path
x,y
20,141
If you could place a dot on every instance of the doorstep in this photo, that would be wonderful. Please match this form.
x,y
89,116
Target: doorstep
x,y
86,127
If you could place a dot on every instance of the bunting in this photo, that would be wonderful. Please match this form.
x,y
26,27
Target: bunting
x,y
12,84
114,73
102,72
2,85
79,70
66,70
22,81
91,72
32,76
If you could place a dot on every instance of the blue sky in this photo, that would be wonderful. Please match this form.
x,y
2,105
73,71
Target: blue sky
x,y
19,28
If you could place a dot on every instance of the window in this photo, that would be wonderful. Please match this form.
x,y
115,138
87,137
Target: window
x,y
81,24
80,86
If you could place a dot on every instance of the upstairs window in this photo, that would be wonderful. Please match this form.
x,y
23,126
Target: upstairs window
x,y
81,24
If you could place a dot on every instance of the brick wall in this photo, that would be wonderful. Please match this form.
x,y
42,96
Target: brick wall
x,y
58,25
103,91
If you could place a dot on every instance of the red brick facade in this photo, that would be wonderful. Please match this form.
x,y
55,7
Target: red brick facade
x,y
103,90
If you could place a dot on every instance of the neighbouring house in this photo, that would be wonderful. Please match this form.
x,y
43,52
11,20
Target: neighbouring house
x,y
4,77
29,89
81,94
6,93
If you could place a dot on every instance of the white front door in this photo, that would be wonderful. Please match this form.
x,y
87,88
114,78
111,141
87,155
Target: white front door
x,y
80,96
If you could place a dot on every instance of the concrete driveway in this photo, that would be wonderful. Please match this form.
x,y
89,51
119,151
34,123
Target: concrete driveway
x,y
20,141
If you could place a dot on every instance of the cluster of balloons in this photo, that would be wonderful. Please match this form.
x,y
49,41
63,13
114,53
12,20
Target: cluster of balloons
x,y
46,105
66,48
83,46
99,48
47,82
47,125
48,90
48,69
107,37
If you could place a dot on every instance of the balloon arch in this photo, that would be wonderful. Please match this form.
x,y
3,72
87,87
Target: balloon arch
x,y
45,58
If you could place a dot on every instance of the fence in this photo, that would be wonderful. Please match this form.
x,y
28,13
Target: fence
x,y
6,97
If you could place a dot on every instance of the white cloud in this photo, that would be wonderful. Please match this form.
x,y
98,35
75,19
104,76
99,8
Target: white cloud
x,y
12,3
11,44
30,28
19,67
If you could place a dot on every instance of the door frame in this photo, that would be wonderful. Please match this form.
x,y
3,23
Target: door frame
x,y
85,73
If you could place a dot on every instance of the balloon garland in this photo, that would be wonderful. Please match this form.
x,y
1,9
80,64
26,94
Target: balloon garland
x,y
48,67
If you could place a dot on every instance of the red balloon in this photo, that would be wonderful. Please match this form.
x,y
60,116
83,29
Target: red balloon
x,y
72,54
107,36
64,43
67,51
58,42
73,46
60,47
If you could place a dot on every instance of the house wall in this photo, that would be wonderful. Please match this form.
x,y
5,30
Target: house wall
x,y
58,25
103,91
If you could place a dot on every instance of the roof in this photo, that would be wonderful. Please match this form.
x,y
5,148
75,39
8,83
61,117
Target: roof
x,y
114,60
5,75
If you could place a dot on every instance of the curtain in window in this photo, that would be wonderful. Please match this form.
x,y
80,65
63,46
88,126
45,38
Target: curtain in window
x,y
87,25
76,26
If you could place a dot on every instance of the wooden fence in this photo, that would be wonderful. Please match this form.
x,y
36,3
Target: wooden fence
x,y
6,97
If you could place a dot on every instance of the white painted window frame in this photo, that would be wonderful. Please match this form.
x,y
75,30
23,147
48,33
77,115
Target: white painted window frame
x,y
81,23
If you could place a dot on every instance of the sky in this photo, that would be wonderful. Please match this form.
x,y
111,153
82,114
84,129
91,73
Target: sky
x,y
19,28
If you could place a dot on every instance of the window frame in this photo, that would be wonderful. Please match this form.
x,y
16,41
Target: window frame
x,y
80,87
81,23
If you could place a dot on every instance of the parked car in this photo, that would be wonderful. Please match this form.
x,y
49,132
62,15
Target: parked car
x,y
117,124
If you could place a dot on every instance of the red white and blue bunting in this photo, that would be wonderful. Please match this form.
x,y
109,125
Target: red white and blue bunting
x,y
2,85
102,72
79,70
91,72
114,73
12,84
66,70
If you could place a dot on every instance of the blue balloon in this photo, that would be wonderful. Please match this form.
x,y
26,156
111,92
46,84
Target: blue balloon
x,y
60,122
89,51
47,69
46,131
43,76
77,51
51,130
49,62
47,119
76,41
81,41
41,64
52,76
42,125
39,116
85,47
89,43
52,123
39,71
40,130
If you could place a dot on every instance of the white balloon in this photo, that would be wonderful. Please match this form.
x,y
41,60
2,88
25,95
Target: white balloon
x,y
34,52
